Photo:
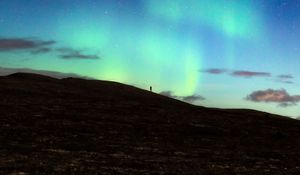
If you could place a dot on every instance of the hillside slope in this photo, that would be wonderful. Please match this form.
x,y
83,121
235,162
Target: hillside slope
x,y
75,126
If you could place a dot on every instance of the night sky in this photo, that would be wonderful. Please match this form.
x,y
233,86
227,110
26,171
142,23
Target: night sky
x,y
215,53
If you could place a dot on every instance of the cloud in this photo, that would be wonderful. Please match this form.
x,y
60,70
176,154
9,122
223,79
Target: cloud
x,y
14,44
249,74
236,73
285,81
35,46
188,99
168,94
69,53
214,71
192,98
7,71
41,50
283,98
298,118
78,55
285,104
285,76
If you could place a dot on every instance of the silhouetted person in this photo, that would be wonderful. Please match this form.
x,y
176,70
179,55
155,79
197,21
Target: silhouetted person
x,y
151,88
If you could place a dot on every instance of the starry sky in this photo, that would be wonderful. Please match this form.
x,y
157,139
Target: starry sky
x,y
221,53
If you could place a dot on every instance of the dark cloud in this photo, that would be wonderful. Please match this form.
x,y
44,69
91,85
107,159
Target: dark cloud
x,y
59,75
287,76
41,50
13,44
188,99
34,47
78,55
298,118
168,94
236,73
69,53
249,74
285,81
283,78
283,98
214,71
285,104
192,98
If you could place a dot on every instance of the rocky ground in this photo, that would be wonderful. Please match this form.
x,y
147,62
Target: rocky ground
x,y
74,126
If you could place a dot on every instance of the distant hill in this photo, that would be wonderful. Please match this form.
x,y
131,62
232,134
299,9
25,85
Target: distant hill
x,y
76,126
30,77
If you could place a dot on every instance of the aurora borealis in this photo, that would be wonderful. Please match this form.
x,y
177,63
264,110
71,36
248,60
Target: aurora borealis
x,y
232,54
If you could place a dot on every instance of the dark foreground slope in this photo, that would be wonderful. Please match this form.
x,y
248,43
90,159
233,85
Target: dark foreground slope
x,y
73,126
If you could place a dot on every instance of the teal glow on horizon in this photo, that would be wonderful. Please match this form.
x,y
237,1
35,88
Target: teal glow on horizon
x,y
222,50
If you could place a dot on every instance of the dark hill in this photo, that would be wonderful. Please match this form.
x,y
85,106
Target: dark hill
x,y
29,76
75,126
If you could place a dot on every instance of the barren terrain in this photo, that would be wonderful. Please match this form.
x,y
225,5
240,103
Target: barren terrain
x,y
74,126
